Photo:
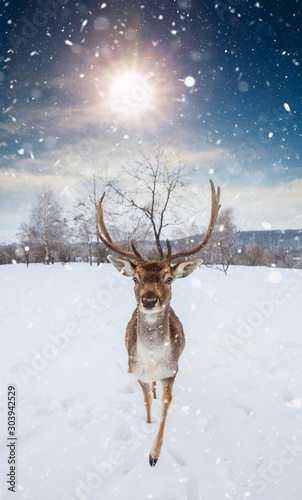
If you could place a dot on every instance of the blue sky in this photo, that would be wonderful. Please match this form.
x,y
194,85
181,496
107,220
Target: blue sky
x,y
220,82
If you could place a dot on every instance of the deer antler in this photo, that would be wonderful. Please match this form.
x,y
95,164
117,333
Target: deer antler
x,y
214,214
107,240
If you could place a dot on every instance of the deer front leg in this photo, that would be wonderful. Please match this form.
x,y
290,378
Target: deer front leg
x,y
166,401
147,399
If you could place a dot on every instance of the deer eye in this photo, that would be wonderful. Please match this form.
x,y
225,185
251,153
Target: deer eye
x,y
135,280
169,281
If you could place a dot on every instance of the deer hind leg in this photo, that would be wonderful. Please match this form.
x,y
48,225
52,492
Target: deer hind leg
x,y
166,401
154,389
147,399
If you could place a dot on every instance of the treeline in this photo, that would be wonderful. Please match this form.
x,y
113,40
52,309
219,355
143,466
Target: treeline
x,y
224,249
251,255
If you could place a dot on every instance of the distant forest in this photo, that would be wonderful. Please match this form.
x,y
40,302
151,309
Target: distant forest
x,y
251,248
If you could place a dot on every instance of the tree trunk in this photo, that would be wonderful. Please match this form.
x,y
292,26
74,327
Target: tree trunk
x,y
97,250
46,248
46,235
90,252
159,248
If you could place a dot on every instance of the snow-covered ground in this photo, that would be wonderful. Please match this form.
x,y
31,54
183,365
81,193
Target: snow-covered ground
x,y
234,427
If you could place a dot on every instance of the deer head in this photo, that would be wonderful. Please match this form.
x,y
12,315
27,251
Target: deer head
x,y
153,279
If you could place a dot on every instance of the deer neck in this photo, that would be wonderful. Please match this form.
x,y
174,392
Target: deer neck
x,y
153,328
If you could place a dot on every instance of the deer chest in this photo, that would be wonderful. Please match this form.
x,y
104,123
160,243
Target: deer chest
x,y
153,362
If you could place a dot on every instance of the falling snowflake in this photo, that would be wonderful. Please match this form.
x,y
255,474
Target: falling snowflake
x,y
189,81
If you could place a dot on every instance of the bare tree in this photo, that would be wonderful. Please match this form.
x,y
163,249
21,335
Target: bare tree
x,y
10,253
26,242
223,249
64,244
255,255
83,214
45,229
85,233
153,186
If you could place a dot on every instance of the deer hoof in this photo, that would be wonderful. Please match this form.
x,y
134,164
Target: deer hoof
x,y
152,460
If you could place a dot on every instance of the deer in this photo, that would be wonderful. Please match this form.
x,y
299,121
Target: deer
x,y
154,336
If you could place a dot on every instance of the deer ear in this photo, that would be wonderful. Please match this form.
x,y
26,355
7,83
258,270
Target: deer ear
x,y
185,268
124,266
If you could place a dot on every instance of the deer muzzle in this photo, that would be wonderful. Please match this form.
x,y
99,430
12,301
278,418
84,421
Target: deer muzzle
x,y
149,303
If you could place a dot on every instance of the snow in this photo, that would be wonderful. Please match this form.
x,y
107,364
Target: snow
x,y
266,225
234,427
189,81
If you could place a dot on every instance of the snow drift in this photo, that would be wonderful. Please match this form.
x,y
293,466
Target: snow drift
x,y
234,426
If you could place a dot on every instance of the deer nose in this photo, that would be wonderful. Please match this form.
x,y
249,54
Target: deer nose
x,y
149,304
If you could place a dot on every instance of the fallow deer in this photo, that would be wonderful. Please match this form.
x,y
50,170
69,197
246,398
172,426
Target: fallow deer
x,y
154,336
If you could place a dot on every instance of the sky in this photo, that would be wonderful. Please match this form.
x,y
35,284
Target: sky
x,y
84,85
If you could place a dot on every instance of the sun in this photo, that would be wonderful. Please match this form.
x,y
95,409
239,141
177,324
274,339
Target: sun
x,y
131,93
136,93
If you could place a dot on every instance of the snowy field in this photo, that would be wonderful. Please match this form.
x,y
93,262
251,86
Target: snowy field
x,y
234,427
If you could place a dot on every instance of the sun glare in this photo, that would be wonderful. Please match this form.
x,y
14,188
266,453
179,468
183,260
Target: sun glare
x,y
131,93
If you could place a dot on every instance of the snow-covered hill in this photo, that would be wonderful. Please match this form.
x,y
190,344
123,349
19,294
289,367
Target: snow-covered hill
x,y
234,427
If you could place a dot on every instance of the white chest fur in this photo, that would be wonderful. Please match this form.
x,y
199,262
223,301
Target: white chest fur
x,y
153,361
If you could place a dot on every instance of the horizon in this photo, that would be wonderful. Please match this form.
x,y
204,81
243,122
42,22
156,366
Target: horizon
x,y
163,240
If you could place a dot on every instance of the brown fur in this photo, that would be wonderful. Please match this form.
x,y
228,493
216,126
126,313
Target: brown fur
x,y
154,335
165,329
176,335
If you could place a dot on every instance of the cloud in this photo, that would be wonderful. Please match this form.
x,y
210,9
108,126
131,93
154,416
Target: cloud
x,y
280,205
66,141
13,182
